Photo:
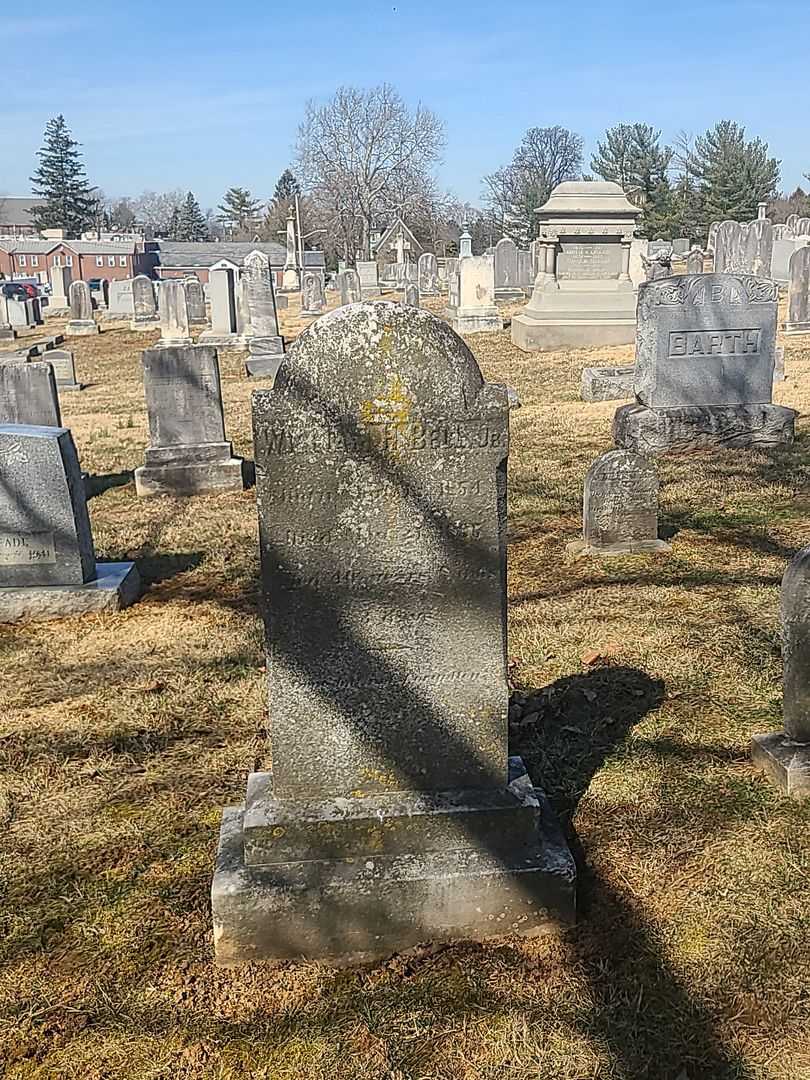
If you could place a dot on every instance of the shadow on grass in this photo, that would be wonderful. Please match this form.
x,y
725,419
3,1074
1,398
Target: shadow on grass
x,y
98,483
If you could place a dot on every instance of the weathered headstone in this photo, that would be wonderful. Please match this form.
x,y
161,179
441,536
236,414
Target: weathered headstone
x,y
195,300
264,341
506,270
227,326
658,264
350,287
312,301
48,565
410,294
637,269
144,304
583,294
28,394
7,331
695,261
392,815
471,304
798,320
620,507
187,452
120,304
710,242
369,278
525,272
680,246
785,755
704,366
64,369
60,278
428,271
174,323
81,322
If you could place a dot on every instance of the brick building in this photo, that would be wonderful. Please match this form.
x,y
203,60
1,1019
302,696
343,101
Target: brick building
x,y
15,215
30,257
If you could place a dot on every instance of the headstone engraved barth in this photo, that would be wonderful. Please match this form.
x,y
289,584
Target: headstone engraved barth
x,y
81,323
785,755
28,395
705,352
48,567
619,507
187,452
393,814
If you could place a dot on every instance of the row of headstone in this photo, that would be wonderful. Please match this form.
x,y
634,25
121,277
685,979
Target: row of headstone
x,y
744,248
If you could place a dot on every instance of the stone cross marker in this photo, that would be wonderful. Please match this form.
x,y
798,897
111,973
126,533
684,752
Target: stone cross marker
x,y
381,482
620,507
187,453
174,321
798,320
312,300
785,755
144,303
48,564
705,351
428,274
349,285
81,321
195,299
28,395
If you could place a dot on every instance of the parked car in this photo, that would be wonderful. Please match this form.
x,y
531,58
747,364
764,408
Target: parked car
x,y
31,291
12,290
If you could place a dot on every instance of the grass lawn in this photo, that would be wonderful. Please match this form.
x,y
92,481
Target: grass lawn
x,y
638,683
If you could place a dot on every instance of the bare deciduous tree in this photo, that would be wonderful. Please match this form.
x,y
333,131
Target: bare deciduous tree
x,y
365,156
546,157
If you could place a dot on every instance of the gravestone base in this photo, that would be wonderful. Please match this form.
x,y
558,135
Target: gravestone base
x,y
533,335
785,762
141,325
52,311
81,328
173,343
263,365
189,470
473,322
607,383
795,329
357,880
115,586
701,427
576,314
7,333
222,341
578,548
507,295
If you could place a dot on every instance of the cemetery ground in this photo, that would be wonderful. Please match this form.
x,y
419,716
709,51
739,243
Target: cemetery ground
x,y
638,682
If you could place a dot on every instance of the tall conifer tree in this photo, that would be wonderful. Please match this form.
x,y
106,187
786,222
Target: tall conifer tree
x,y
70,201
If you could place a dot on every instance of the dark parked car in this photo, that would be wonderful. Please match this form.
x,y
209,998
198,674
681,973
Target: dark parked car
x,y
12,290
31,291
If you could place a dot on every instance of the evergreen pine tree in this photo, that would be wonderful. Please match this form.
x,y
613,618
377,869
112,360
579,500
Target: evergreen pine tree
x,y
631,155
286,188
61,181
732,174
173,228
191,223
239,210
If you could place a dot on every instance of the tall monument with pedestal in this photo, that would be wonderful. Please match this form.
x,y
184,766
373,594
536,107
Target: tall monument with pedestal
x,y
583,294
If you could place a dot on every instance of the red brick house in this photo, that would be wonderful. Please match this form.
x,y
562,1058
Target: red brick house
x,y
27,257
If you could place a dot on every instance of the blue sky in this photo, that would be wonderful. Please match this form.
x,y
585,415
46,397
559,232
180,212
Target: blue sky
x,y
208,94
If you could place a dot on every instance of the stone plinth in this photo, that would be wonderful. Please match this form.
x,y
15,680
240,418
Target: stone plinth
x,y
48,567
583,294
188,453
681,430
393,814
607,383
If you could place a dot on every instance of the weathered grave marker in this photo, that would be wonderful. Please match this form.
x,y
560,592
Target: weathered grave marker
x,y
174,323
28,395
620,507
81,322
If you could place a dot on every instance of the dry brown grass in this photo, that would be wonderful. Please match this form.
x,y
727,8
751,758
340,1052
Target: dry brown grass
x,y
122,737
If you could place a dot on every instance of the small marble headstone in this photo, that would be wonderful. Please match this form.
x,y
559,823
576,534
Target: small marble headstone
x,y
81,322
410,294
506,269
174,321
227,327
620,507
120,302
694,261
350,287
64,369
312,300
28,395
187,453
368,272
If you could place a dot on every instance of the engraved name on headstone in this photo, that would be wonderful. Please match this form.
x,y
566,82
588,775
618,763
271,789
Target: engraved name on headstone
x,y
620,507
